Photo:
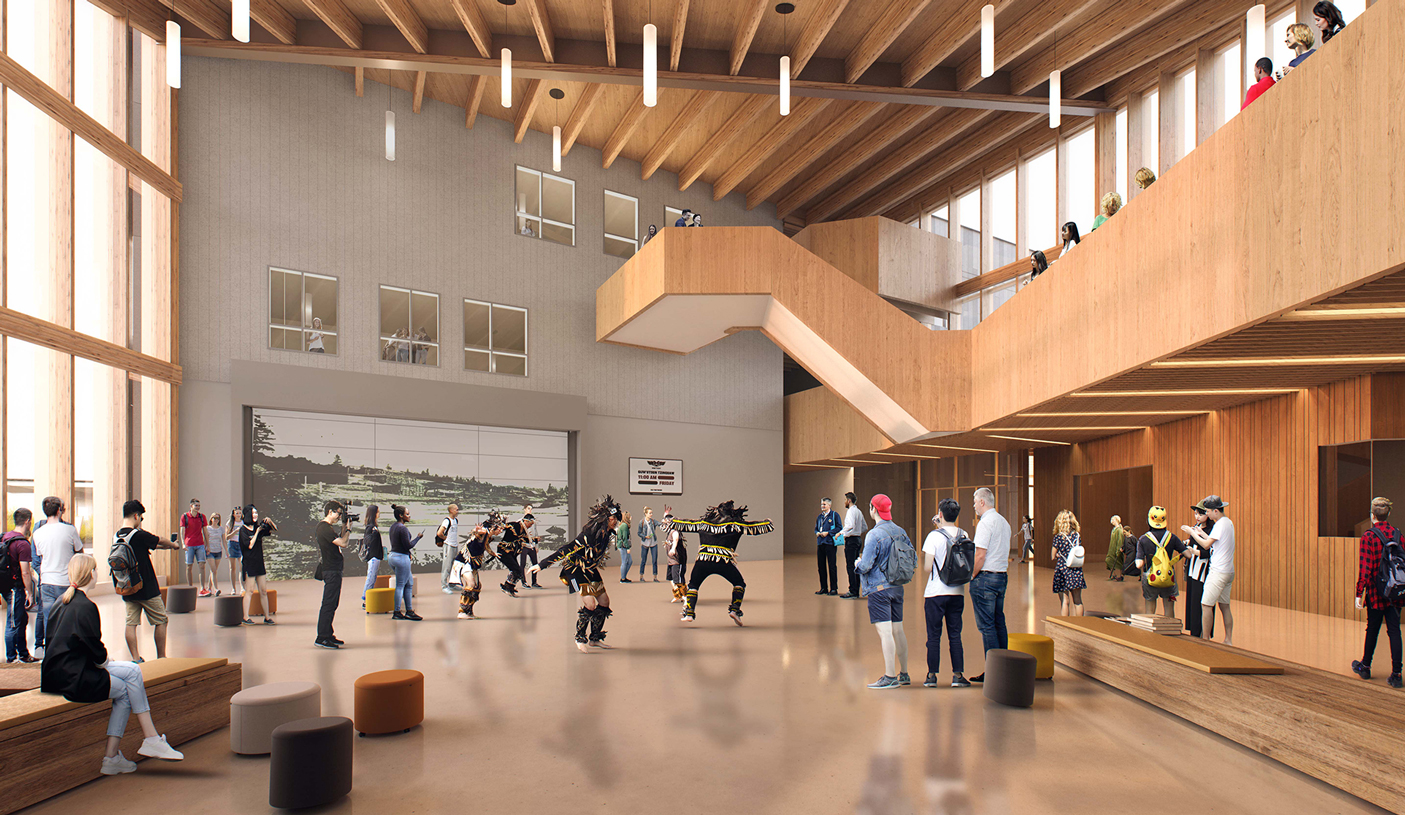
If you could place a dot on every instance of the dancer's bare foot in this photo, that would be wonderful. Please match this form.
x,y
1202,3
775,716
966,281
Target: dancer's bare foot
x,y
602,645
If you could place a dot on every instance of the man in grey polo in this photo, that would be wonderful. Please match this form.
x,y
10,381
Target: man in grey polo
x,y
991,567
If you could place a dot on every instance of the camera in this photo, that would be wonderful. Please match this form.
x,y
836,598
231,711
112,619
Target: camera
x,y
347,516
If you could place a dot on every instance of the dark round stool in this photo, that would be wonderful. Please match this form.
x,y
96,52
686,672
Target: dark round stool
x,y
1009,677
311,762
180,599
229,610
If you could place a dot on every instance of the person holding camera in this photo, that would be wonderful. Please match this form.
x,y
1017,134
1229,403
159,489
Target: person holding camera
x,y
330,540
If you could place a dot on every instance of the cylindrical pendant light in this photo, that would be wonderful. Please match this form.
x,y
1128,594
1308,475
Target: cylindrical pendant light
x,y
1255,45
785,86
390,135
239,20
987,40
651,65
1055,98
507,77
173,53
556,149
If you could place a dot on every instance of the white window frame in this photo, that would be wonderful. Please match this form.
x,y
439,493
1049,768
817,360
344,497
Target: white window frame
x,y
304,330
493,353
671,215
540,218
633,241
409,326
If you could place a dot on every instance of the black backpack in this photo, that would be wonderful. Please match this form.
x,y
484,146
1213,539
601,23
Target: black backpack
x,y
960,563
1390,577
9,569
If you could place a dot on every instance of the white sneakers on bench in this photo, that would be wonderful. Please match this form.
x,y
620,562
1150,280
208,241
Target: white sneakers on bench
x,y
118,764
159,748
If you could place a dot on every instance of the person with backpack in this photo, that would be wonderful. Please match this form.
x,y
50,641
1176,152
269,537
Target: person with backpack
x,y
1220,579
17,577
1380,589
447,539
135,579
1069,581
887,562
948,557
1157,553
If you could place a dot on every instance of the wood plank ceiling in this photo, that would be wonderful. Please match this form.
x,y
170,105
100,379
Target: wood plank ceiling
x,y
830,159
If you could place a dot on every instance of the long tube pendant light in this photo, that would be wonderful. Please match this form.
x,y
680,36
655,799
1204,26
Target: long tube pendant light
x,y
507,77
987,40
173,53
1255,40
651,65
390,135
239,20
556,149
1055,98
785,86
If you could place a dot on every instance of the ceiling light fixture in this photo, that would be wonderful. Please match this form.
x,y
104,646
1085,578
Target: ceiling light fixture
x,y
953,447
651,65
1280,362
784,9
389,119
239,20
1035,441
173,53
1220,392
987,40
1383,312
1080,429
558,95
1255,35
506,59
1114,413
1055,94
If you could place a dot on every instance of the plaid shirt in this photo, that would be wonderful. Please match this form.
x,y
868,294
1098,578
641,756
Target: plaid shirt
x,y
1371,564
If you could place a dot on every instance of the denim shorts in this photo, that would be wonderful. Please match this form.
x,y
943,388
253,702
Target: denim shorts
x,y
886,605
194,554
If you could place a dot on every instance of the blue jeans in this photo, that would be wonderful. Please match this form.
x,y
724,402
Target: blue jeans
x,y
404,581
645,552
372,567
626,560
128,695
48,600
16,626
988,598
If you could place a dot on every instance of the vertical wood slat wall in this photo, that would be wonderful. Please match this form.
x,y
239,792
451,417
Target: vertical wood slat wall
x,y
1262,459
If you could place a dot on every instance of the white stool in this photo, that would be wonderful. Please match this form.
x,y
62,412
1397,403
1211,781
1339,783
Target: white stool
x,y
255,712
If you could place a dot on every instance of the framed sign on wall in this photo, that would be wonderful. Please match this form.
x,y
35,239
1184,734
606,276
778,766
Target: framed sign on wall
x,y
655,476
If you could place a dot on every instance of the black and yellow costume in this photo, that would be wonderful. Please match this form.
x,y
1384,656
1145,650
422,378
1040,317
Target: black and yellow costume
x,y
514,536
474,552
719,531
580,561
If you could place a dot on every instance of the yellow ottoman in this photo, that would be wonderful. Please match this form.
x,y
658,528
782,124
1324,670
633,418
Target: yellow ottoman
x,y
1041,648
380,601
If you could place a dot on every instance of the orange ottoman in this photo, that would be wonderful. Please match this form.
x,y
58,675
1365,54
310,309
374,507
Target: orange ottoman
x,y
389,701
256,602
382,581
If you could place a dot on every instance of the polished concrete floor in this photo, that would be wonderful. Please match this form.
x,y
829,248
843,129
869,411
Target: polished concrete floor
x,y
771,718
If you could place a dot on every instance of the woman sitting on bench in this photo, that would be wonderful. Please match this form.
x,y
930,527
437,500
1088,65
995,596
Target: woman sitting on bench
x,y
76,666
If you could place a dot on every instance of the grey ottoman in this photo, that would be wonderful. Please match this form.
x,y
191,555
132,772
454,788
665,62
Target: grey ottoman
x,y
1009,677
229,610
254,713
311,762
180,599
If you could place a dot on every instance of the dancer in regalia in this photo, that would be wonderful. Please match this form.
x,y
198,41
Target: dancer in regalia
x,y
719,530
580,561
472,552
515,536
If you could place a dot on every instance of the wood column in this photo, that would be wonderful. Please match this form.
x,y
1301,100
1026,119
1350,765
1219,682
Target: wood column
x,y
1166,123
1105,153
1206,95
1135,159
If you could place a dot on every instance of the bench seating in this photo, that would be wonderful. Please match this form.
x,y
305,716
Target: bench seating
x,y
189,698
1188,651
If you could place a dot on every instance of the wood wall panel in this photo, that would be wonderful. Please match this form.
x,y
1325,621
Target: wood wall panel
x,y
819,426
891,259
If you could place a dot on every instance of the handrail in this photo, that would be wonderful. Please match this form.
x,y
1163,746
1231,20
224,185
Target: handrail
x,y
1005,273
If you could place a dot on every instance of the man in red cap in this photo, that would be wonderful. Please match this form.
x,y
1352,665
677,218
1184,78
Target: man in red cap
x,y
885,597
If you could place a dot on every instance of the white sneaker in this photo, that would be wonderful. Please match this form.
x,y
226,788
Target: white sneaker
x,y
118,764
159,748
448,590
463,616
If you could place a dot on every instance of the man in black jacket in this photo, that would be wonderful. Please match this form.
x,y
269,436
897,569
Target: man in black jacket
x,y
330,541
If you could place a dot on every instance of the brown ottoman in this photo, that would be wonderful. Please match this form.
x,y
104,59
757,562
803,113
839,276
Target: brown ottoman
x,y
311,762
181,599
389,701
256,602
229,610
1009,677
254,713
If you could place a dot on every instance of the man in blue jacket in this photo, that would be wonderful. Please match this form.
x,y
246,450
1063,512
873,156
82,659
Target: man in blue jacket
x,y
827,527
885,600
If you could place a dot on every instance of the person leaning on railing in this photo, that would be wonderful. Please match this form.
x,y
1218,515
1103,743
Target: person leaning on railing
x,y
1111,203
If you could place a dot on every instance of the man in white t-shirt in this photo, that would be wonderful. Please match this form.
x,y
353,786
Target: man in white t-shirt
x,y
448,539
56,542
1220,541
853,534
991,577
943,603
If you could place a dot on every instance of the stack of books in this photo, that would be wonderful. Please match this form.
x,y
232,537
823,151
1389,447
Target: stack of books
x,y
1156,623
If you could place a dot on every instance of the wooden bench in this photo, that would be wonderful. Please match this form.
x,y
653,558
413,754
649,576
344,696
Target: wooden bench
x,y
18,677
1188,651
49,745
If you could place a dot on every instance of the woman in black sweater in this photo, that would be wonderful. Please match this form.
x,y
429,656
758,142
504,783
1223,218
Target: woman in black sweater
x,y
372,549
400,562
76,666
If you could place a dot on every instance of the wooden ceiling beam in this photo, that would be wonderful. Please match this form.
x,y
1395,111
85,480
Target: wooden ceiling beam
x,y
608,7
895,18
476,25
527,109
960,26
147,16
420,77
945,130
343,23
680,23
579,114
839,127
821,22
628,124
735,124
741,43
275,20
1099,33
408,21
206,15
681,123
541,23
904,120
778,135
1014,40
475,99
